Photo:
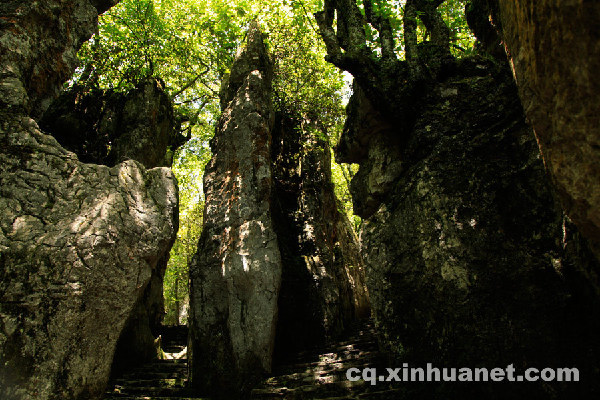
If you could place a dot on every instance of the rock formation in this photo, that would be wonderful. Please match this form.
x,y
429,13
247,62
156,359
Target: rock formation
x,y
78,245
552,46
236,274
78,242
469,259
464,240
38,49
277,263
108,127
322,289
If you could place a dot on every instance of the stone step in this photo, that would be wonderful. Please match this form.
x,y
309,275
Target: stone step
x,y
350,347
142,381
152,398
173,348
301,378
329,365
121,391
163,366
390,394
154,375
320,374
313,391
160,368
158,379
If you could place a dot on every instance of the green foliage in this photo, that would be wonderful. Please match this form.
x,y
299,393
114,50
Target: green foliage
x,y
189,165
462,41
341,175
453,12
305,84
191,44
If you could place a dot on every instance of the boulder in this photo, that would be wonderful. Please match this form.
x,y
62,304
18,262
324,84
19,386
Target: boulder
x,y
78,242
78,245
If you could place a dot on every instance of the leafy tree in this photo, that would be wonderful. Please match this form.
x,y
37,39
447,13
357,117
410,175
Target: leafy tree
x,y
190,45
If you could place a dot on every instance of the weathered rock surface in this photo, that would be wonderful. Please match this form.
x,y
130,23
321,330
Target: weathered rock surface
x,y
323,288
278,264
369,139
236,273
78,244
553,47
466,259
38,47
107,127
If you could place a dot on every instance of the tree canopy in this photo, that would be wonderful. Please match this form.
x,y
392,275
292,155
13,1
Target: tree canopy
x,y
190,45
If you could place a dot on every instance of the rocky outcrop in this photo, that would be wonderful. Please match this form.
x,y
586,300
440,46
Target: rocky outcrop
x,y
466,258
38,47
370,139
323,288
78,242
236,273
108,127
553,47
78,246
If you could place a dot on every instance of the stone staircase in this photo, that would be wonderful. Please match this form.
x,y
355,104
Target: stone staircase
x,y
318,374
321,373
174,339
159,379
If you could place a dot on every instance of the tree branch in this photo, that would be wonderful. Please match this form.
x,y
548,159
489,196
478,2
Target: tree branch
x,y
191,82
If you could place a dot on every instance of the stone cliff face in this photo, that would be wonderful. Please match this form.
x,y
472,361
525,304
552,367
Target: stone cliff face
x,y
467,258
38,47
236,274
78,242
552,47
323,287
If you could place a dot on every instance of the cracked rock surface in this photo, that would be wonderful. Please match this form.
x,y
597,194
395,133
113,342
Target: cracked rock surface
x,y
469,259
553,47
78,244
39,41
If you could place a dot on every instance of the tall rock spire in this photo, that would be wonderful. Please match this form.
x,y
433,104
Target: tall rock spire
x,y
236,274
